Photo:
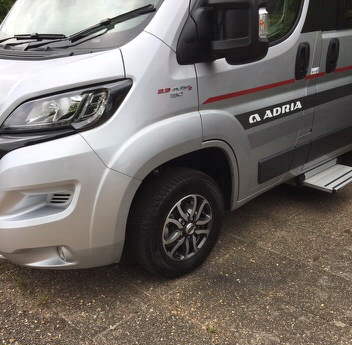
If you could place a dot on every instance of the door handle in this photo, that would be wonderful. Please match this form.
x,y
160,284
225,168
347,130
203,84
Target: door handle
x,y
333,55
302,61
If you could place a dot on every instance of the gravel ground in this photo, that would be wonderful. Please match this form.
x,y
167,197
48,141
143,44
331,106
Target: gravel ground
x,y
281,274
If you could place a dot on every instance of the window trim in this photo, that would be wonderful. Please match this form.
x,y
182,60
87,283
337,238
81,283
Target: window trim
x,y
294,27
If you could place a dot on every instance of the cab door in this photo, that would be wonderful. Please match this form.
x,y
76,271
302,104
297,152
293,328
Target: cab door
x,y
261,109
332,130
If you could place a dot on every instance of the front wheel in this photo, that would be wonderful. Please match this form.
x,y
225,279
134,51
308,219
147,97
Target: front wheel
x,y
175,221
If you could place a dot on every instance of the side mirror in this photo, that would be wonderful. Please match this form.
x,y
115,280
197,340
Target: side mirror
x,y
233,29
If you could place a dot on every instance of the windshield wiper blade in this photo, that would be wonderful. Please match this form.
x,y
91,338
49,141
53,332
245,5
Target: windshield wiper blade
x,y
6,39
110,23
36,36
39,36
107,24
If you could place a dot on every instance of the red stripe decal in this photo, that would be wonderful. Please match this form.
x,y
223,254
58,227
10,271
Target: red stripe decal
x,y
249,91
344,69
270,86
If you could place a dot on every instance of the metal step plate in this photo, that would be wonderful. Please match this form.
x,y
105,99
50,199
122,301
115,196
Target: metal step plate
x,y
330,179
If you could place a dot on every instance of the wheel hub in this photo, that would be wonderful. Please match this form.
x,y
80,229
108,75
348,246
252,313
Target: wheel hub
x,y
187,227
190,229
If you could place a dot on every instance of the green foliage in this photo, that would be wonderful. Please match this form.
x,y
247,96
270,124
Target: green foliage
x,y
5,5
283,14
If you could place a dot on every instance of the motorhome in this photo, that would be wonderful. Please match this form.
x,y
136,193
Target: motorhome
x,y
132,126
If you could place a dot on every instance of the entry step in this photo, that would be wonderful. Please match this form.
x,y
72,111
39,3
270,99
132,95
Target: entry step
x,y
330,177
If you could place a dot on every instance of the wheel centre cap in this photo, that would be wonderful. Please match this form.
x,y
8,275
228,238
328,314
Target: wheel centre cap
x,y
190,229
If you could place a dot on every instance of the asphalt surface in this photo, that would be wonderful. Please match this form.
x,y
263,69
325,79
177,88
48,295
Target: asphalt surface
x,y
281,274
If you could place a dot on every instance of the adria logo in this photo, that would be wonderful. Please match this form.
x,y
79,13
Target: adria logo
x,y
254,119
275,112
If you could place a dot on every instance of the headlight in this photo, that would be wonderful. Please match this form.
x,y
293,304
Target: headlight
x,y
76,109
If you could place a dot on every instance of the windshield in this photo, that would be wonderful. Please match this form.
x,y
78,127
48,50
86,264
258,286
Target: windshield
x,y
70,16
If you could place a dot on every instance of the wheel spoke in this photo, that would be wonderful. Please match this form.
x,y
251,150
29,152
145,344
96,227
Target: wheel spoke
x,y
175,222
182,213
194,241
173,238
205,221
177,246
188,247
194,208
201,209
202,232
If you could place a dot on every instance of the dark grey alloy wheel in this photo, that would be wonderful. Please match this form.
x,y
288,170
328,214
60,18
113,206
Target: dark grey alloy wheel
x,y
187,227
175,221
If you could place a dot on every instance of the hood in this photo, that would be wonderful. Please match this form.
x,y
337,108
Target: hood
x,y
23,80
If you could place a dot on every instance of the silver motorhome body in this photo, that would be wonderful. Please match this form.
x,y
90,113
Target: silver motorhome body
x,y
67,196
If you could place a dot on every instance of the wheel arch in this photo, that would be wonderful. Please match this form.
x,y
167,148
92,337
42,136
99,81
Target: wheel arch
x,y
216,159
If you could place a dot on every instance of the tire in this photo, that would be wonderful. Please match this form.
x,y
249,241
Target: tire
x,y
157,222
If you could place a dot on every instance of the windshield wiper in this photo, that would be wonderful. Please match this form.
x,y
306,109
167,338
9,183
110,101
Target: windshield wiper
x,y
39,37
107,24
28,38
110,23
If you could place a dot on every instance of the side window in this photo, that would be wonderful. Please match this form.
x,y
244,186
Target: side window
x,y
283,17
323,15
346,20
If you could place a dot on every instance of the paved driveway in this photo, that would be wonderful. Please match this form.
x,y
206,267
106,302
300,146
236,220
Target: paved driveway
x,y
281,274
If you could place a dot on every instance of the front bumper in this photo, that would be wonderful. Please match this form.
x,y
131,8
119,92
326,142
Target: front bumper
x,y
61,207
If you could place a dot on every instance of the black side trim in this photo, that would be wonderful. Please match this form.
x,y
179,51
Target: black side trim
x,y
277,165
274,166
330,143
278,111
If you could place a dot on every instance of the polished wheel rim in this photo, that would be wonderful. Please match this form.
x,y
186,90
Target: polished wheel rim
x,y
187,227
